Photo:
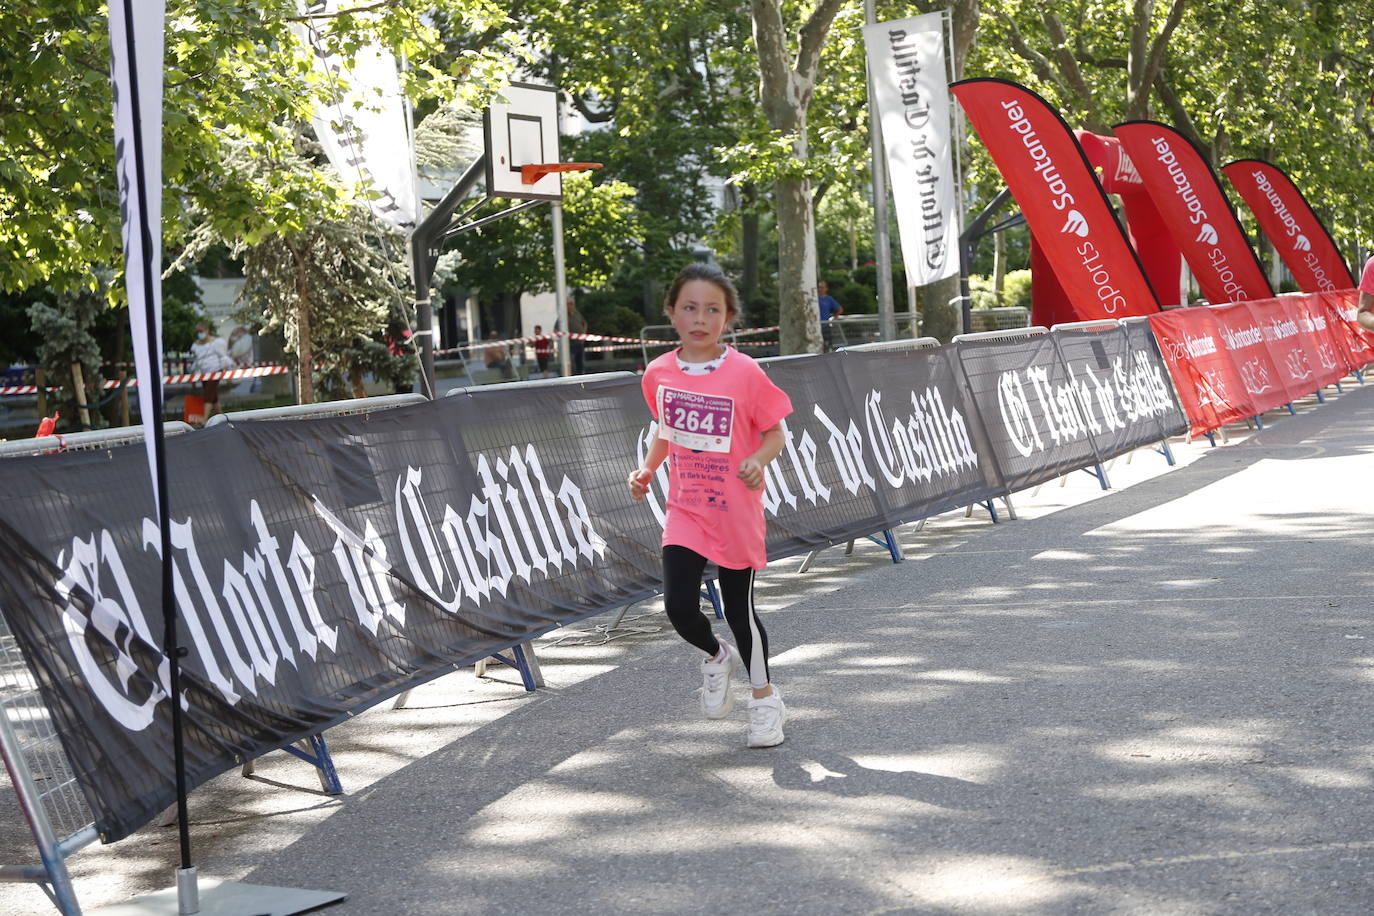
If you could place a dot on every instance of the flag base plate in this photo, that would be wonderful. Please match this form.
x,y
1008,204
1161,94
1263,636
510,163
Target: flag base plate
x,y
226,898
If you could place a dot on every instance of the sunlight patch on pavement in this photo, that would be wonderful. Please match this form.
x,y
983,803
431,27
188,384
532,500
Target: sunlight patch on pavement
x,y
1258,500
988,883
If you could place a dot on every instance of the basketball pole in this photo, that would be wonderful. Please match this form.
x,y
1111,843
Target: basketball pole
x,y
560,286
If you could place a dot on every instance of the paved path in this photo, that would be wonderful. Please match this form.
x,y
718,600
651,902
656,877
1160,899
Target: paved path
x,y
1154,701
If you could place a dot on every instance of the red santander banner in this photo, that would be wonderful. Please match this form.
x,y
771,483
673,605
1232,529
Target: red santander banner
x,y
1341,308
1059,195
1296,232
1195,211
1207,380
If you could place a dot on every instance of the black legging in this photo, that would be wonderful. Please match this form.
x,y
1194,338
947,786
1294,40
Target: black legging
x,y
682,569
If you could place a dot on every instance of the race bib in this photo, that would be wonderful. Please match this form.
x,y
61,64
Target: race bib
x,y
701,422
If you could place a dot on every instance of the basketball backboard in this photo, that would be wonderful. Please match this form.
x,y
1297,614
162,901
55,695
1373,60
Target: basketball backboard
x,y
521,127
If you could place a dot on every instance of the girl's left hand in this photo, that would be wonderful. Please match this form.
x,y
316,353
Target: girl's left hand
x,y
751,472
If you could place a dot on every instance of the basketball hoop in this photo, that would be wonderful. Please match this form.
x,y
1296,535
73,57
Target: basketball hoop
x,y
530,174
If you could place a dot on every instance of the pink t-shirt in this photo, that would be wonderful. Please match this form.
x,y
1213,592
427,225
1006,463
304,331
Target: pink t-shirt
x,y
1367,278
714,422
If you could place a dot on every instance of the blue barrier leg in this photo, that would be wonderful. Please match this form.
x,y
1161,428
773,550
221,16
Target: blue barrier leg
x,y
712,594
1259,421
992,510
889,542
1359,376
318,756
1212,438
1292,411
1100,473
1321,398
1168,453
522,664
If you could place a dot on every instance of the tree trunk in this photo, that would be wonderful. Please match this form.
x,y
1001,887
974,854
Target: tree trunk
x,y
305,352
999,266
785,92
942,313
749,244
355,381
79,385
798,313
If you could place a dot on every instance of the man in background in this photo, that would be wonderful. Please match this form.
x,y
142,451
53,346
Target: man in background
x,y
829,307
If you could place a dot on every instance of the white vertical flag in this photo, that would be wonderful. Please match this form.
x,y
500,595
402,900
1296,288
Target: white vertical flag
x,y
906,66
363,128
136,64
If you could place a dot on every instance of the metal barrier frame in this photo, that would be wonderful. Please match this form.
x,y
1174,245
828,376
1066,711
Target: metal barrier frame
x,y
915,343
348,407
57,814
526,384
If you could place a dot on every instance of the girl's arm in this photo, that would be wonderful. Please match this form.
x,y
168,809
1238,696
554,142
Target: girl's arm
x,y
639,478
751,468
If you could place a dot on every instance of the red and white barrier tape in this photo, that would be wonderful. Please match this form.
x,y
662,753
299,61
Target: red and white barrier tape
x,y
182,379
594,338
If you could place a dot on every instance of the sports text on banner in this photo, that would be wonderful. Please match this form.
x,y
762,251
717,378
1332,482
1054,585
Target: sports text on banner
x,y
1063,203
1195,211
1296,232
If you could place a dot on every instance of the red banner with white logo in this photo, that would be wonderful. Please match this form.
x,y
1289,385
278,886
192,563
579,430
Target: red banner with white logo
x,y
1331,360
1231,362
1063,203
1244,339
1341,307
1295,231
1293,345
1206,379
1195,211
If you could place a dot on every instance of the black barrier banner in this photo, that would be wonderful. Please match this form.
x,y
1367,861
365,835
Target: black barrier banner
x,y
322,566
1058,402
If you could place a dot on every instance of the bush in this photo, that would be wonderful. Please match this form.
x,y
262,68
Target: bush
x,y
836,278
856,299
1016,288
611,311
980,290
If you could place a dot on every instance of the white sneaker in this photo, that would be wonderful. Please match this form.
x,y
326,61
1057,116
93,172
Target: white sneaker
x,y
716,699
766,716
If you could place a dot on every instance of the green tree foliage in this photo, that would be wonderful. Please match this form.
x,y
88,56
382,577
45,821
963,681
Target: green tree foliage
x,y
515,254
1286,80
238,84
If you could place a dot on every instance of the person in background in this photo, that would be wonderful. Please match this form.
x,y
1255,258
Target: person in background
x,y
543,350
241,347
1365,316
210,354
578,347
497,357
829,308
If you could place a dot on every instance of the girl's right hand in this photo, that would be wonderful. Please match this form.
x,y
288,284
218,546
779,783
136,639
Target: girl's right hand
x,y
639,482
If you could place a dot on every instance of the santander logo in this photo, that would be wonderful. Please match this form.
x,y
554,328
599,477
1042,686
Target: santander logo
x,y
1207,235
1301,243
1076,224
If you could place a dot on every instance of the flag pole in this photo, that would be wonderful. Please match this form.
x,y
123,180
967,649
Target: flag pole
x,y
187,896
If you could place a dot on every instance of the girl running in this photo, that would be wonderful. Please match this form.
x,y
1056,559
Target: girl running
x,y
718,417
